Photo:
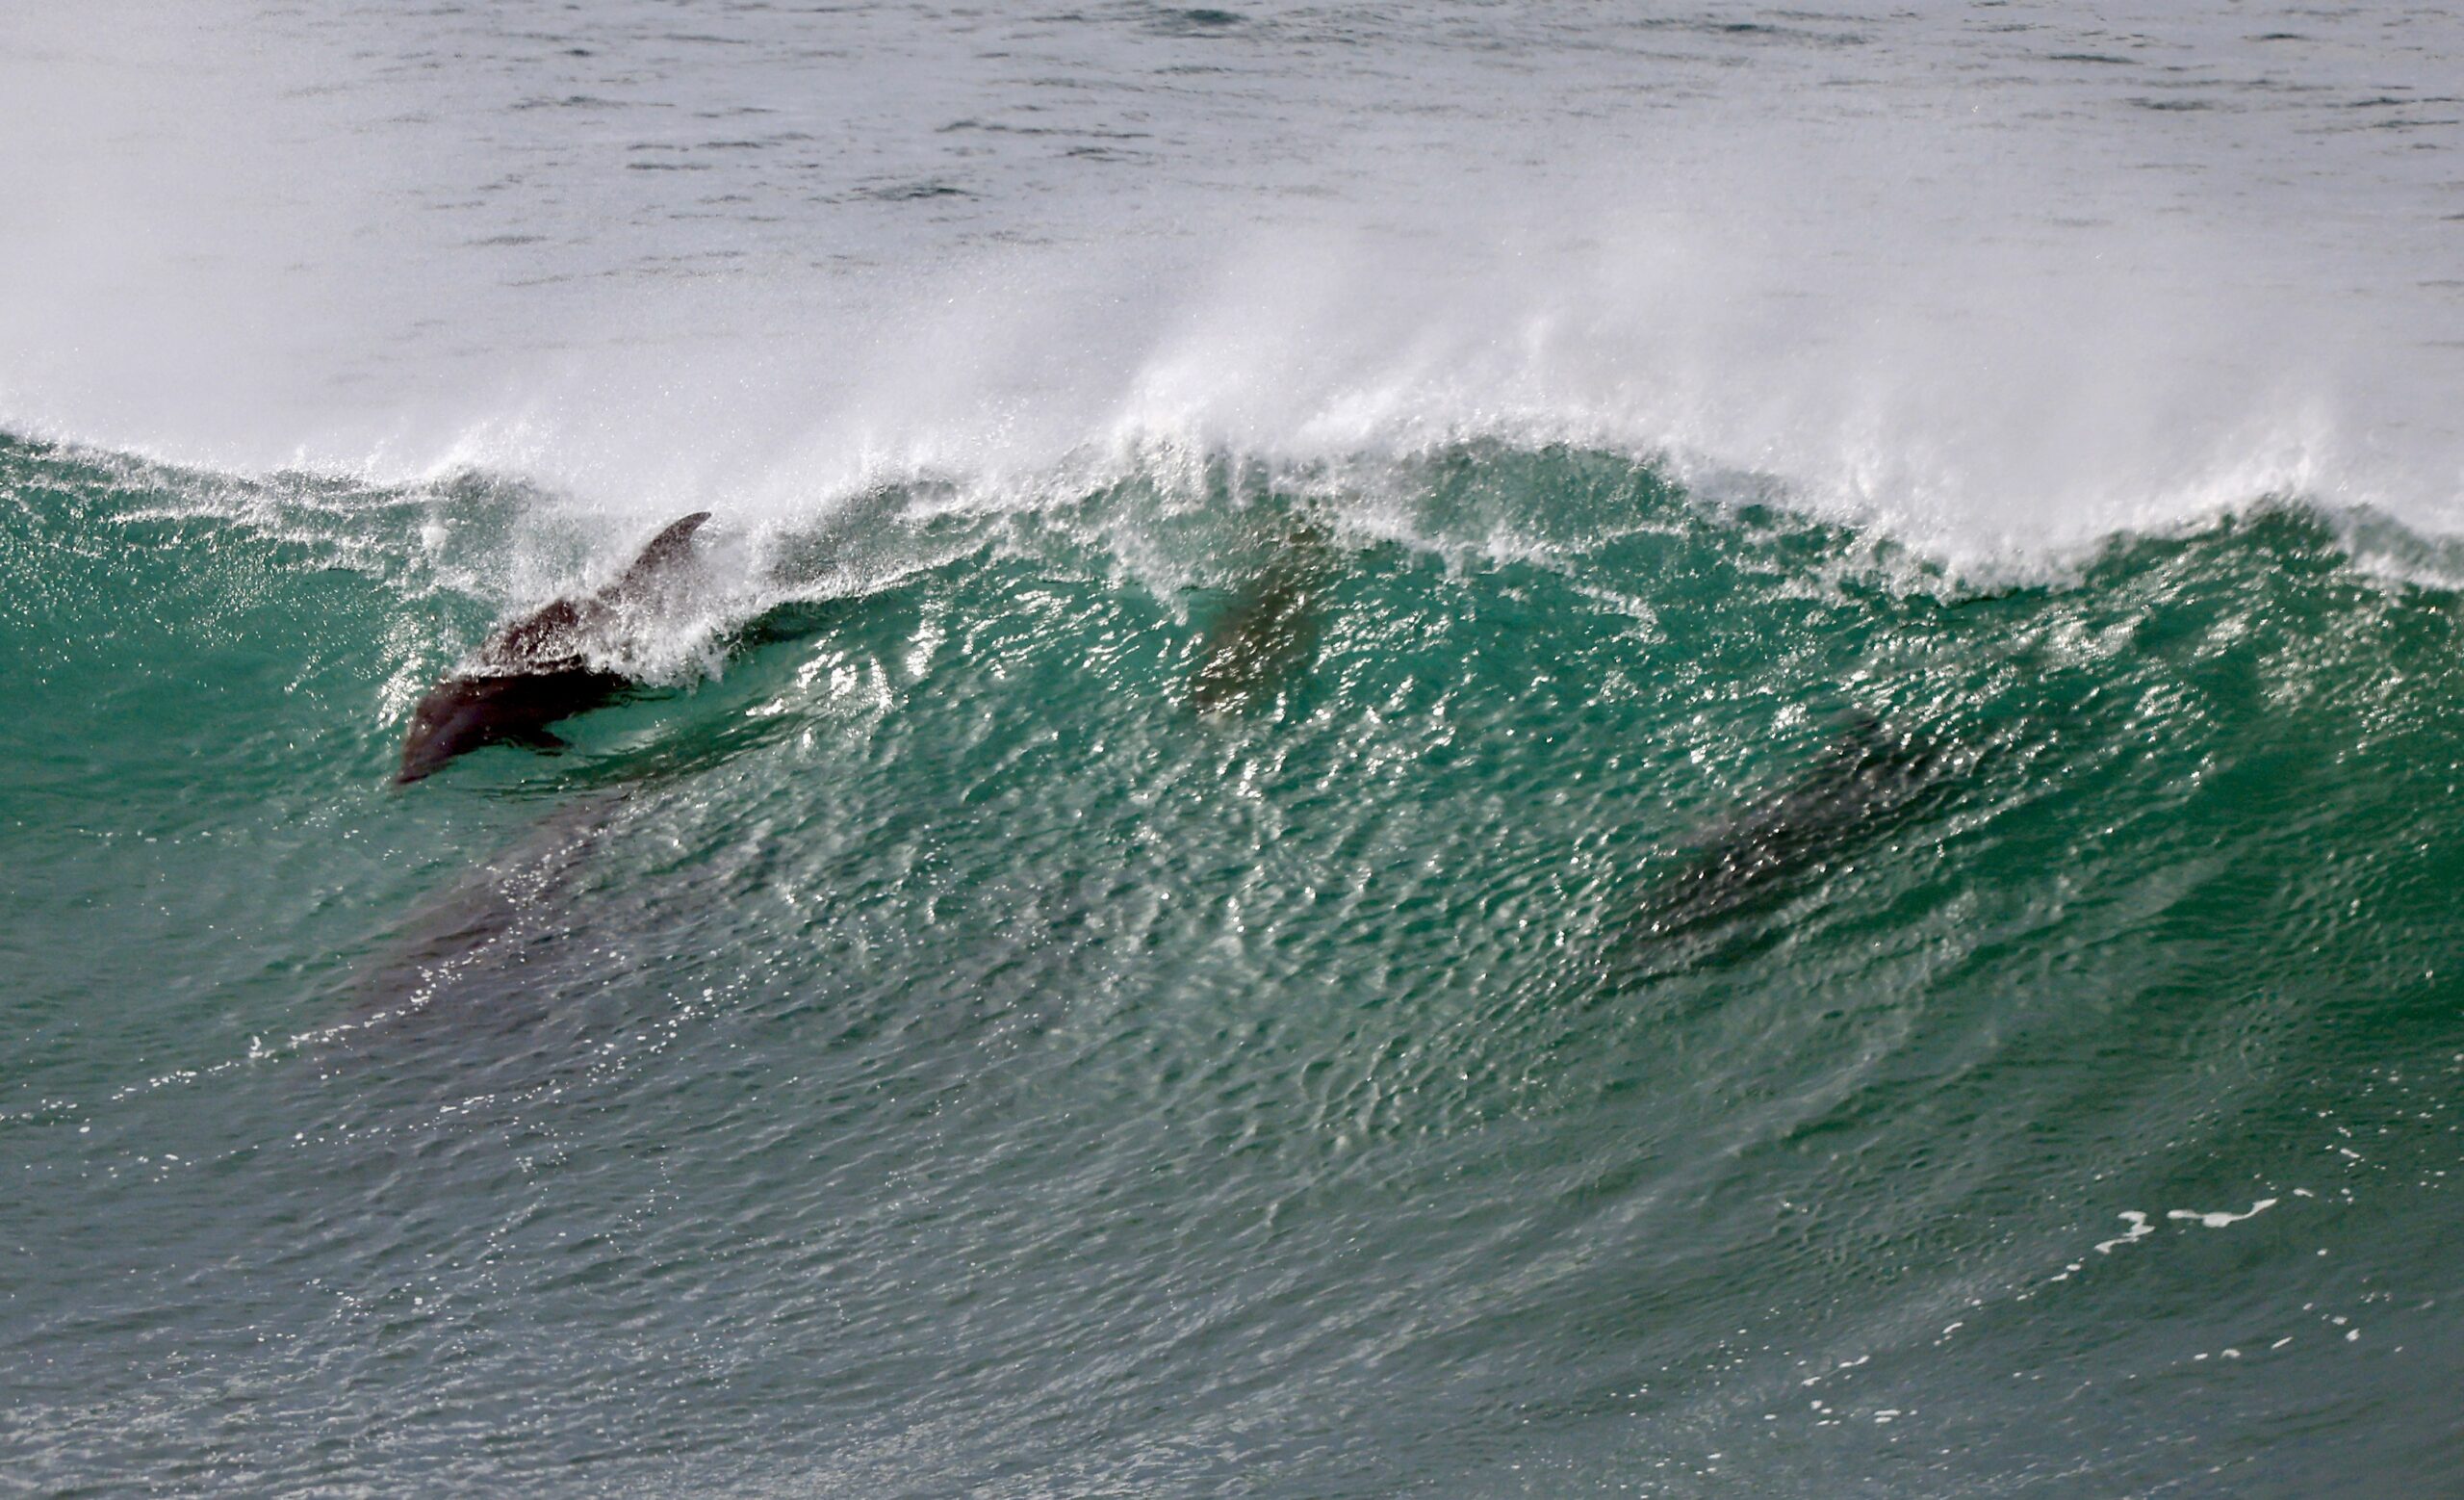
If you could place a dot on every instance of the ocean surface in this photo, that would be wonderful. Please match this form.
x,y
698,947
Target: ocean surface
x,y
1438,749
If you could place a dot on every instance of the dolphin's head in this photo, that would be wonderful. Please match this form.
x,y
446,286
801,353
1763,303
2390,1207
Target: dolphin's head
x,y
458,715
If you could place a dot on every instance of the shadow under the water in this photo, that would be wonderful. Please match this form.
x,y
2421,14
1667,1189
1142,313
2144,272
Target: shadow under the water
x,y
466,952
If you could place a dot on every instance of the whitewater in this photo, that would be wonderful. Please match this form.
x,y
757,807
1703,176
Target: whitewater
x,y
1422,748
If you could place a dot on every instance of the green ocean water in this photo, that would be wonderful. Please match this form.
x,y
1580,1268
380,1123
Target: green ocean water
x,y
908,1049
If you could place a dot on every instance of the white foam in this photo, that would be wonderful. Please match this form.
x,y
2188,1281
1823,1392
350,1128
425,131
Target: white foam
x,y
2217,1221
2140,1228
1996,334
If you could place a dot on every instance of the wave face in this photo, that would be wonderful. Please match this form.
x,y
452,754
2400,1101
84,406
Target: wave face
x,y
1644,992
1418,749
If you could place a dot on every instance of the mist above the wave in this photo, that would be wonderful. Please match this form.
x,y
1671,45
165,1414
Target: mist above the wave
x,y
1985,334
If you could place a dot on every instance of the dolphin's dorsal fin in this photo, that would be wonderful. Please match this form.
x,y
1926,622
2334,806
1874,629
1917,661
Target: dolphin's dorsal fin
x,y
671,546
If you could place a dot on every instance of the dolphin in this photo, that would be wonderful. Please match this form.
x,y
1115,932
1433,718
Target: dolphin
x,y
1866,783
1269,632
532,671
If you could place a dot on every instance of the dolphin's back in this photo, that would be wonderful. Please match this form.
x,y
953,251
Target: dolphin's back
x,y
553,636
548,634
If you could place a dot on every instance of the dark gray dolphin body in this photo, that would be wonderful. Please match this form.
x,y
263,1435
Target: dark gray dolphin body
x,y
1269,632
1868,783
533,671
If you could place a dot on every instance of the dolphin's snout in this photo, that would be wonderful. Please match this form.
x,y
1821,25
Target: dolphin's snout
x,y
440,729
457,716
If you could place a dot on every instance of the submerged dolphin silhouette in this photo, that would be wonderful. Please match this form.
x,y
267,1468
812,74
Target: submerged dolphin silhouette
x,y
1867,784
476,952
532,671
1268,633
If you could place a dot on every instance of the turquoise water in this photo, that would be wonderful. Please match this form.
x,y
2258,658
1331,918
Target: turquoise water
x,y
908,1049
